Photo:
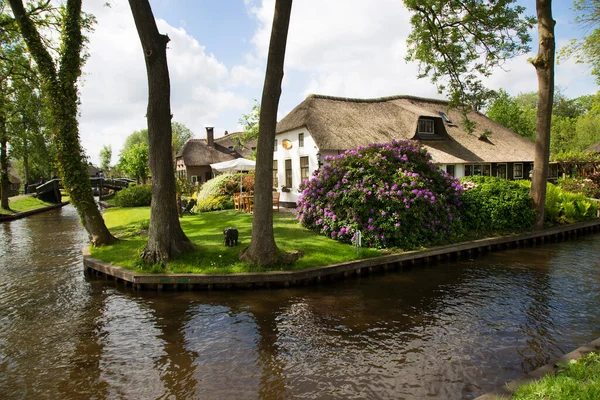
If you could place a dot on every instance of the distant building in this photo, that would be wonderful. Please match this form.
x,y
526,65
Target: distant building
x,y
195,156
325,125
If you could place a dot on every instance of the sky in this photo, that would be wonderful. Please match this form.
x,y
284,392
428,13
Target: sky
x,y
217,57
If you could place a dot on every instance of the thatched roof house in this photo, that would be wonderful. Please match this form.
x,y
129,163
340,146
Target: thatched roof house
x,y
595,148
337,123
331,125
195,156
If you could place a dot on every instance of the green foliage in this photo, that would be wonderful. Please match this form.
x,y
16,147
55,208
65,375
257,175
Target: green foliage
x,y
390,192
134,196
214,187
458,42
587,186
134,162
494,204
249,123
505,110
564,207
576,380
180,134
587,49
247,180
214,203
183,186
105,157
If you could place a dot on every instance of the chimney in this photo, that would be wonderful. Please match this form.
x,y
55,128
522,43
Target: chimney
x,y
210,136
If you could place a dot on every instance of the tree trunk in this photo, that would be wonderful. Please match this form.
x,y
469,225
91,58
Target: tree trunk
x,y
263,250
544,65
62,87
165,236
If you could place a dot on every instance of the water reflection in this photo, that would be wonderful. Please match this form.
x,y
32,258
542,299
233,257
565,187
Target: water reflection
x,y
451,331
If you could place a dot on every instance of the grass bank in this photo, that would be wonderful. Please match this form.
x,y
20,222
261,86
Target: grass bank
x,y
24,204
205,230
577,380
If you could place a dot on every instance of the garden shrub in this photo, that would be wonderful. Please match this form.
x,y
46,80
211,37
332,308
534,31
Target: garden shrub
x,y
214,187
233,186
214,203
586,186
495,204
565,207
390,192
134,196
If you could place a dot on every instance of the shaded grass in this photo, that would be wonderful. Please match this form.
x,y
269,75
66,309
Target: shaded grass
x,y
576,380
24,204
205,230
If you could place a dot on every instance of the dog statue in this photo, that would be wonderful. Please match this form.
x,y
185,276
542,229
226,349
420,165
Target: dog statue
x,y
230,236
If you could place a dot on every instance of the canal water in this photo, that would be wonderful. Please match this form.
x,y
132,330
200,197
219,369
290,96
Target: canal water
x,y
451,331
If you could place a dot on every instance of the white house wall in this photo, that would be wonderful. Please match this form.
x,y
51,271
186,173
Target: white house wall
x,y
294,153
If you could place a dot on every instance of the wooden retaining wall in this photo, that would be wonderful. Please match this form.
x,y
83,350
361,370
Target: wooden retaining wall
x,y
344,270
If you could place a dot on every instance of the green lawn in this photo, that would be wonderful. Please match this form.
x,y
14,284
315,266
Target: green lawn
x,y
577,380
205,230
24,204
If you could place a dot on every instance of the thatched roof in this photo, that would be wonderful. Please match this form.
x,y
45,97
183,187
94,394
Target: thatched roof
x,y
196,152
234,139
338,123
595,148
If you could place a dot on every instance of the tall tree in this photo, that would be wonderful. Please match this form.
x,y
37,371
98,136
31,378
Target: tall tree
x,y
134,162
105,157
165,236
60,83
544,67
505,110
461,41
262,249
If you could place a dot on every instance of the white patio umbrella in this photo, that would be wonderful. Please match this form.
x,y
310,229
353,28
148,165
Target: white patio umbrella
x,y
235,165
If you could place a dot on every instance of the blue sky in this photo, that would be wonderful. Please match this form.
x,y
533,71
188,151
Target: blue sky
x,y
217,54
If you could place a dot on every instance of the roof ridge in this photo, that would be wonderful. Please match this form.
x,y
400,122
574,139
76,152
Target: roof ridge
x,y
376,99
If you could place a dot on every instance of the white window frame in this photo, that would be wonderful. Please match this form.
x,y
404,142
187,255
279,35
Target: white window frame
x,y
426,126
498,170
515,176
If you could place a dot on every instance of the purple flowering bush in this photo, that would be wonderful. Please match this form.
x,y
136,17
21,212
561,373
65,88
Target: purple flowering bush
x,y
390,192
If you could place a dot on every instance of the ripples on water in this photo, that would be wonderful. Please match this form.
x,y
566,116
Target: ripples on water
x,y
450,331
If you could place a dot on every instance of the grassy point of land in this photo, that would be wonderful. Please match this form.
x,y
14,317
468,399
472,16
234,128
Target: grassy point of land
x,y
577,380
24,204
205,230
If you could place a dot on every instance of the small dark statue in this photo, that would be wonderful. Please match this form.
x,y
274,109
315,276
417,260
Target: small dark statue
x,y
231,237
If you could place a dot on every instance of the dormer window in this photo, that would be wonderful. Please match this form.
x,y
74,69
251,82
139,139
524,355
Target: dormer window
x,y
425,126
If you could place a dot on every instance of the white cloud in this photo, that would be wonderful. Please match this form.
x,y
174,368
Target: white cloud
x,y
114,91
357,49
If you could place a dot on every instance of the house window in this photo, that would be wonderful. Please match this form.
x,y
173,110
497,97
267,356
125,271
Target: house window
x,y
477,169
425,126
275,147
288,173
501,172
303,169
194,179
301,140
518,171
450,170
275,180
207,176
445,118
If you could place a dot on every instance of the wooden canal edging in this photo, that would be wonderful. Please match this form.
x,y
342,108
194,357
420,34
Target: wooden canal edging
x,y
506,391
12,217
335,271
